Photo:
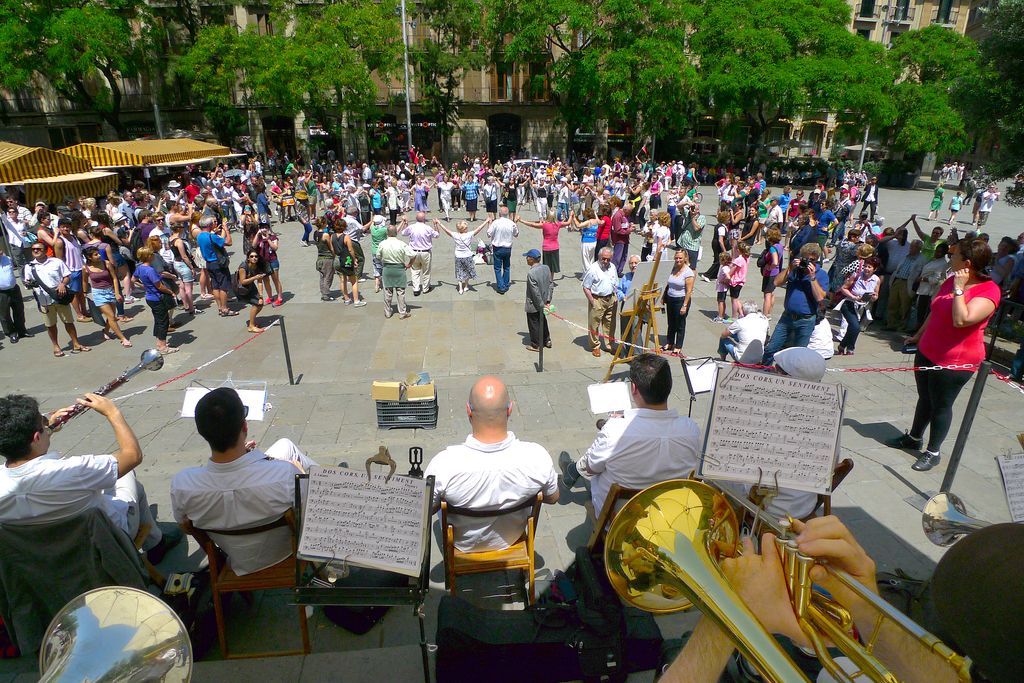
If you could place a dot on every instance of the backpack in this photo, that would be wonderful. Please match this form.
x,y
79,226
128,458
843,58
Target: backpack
x,y
764,261
135,243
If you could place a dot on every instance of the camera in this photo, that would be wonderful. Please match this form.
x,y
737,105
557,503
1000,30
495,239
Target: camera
x,y
800,267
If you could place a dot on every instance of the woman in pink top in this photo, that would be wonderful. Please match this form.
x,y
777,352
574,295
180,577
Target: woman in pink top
x,y
953,334
549,247
738,276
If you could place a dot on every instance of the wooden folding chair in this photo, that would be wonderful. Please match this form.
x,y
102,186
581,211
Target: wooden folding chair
x,y
842,469
615,494
517,556
224,581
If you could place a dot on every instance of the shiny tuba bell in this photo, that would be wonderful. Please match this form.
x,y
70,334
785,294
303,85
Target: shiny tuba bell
x,y
117,635
663,552
945,520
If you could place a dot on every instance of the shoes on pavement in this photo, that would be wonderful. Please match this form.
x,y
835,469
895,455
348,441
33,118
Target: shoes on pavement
x,y
415,292
361,302
547,344
905,442
533,348
172,536
596,353
926,461
570,475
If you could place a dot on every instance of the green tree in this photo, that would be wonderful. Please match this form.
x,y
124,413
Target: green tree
x,y
210,67
766,60
82,49
617,60
441,62
936,67
998,98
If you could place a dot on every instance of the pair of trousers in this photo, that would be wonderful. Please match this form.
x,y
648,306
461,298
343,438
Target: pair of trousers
x,y
851,315
420,267
602,320
727,347
502,267
587,254
12,311
936,393
161,315
676,321
389,293
542,208
619,256
563,211
131,510
537,324
325,266
900,300
793,329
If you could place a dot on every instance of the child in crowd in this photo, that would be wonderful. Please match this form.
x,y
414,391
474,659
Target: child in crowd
x,y
954,206
722,283
738,275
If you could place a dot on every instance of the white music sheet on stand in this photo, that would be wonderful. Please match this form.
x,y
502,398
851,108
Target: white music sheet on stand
x,y
254,399
765,425
700,375
609,397
1011,467
367,523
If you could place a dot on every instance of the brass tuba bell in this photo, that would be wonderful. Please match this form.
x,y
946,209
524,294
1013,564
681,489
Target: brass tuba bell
x,y
945,520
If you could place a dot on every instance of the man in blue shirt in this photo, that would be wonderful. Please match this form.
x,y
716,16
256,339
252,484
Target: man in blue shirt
x,y
785,198
12,309
806,286
211,244
472,189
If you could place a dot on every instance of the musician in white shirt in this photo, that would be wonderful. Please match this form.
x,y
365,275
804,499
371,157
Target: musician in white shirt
x,y
240,487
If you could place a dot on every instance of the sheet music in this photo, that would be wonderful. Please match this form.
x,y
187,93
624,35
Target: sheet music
x,y
778,423
609,397
368,524
254,399
1011,467
700,375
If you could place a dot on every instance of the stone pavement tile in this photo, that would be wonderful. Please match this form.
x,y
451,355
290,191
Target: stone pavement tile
x,y
249,670
363,666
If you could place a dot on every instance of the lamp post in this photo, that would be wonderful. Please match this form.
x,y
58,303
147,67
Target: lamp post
x,y
405,75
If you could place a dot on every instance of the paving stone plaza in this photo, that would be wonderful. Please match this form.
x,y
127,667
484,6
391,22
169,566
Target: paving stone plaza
x,y
337,351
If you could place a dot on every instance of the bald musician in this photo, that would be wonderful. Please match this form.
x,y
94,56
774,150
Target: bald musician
x,y
491,470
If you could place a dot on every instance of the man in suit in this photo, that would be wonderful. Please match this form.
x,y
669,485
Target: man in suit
x,y
538,296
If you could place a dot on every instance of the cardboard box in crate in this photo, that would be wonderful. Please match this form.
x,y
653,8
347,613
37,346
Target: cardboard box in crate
x,y
407,414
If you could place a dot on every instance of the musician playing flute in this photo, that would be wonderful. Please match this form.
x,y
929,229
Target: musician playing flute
x,y
38,486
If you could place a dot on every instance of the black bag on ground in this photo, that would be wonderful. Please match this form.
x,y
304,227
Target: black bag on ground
x,y
359,620
195,609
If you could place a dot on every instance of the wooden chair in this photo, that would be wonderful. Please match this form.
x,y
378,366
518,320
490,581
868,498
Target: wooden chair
x,y
517,556
615,493
224,581
842,469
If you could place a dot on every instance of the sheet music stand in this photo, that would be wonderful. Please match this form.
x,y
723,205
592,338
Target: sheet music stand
x,y
414,594
237,385
691,385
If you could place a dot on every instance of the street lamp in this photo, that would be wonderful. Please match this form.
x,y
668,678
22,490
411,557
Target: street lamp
x,y
405,74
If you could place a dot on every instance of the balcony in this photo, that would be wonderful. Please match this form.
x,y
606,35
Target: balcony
x,y
946,16
902,14
867,11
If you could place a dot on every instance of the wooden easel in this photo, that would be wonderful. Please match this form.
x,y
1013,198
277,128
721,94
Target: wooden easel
x,y
642,328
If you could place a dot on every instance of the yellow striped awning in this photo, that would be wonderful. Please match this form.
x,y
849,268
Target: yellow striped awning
x,y
18,163
144,152
56,189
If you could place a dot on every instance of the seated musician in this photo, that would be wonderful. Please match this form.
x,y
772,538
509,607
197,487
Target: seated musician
x,y
240,486
647,445
972,606
491,470
38,486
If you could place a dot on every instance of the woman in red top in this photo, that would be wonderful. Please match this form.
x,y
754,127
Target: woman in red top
x,y
953,334
604,228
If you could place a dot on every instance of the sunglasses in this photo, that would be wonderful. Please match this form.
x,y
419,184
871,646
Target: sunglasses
x,y
38,249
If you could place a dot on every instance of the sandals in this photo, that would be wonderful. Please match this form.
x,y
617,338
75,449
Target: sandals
x,y
169,350
227,314
126,344
255,330
59,354
81,349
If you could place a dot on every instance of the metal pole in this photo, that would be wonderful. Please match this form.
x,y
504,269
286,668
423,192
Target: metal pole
x,y
863,147
408,106
287,352
156,118
965,427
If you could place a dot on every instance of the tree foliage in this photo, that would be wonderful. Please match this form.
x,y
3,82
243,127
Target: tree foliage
x,y
766,60
441,62
619,60
83,49
1001,80
323,68
937,67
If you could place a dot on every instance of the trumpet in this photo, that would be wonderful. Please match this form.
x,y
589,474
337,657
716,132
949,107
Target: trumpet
x,y
662,554
945,520
151,360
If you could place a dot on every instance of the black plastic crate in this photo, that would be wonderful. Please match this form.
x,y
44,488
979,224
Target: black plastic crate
x,y
407,414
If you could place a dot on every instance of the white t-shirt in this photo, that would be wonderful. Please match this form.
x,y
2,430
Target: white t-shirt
x,y
253,490
821,340
50,488
747,329
491,477
463,244
640,449
502,232
51,272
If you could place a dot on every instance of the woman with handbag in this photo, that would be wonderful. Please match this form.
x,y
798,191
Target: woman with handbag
x,y
184,266
100,279
159,298
247,279
677,301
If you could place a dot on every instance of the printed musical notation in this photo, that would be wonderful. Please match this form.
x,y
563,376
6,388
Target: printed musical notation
x,y
366,523
766,426
1011,467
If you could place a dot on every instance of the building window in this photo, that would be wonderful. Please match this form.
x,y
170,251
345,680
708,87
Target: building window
x,y
864,33
901,12
502,82
263,25
944,12
867,9
537,87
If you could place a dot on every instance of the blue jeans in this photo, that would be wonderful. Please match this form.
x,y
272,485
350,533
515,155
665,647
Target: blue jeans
x,y
563,211
852,316
307,228
792,330
727,348
502,267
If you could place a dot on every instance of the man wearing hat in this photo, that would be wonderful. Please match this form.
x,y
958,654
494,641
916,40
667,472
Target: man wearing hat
x,y
538,296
